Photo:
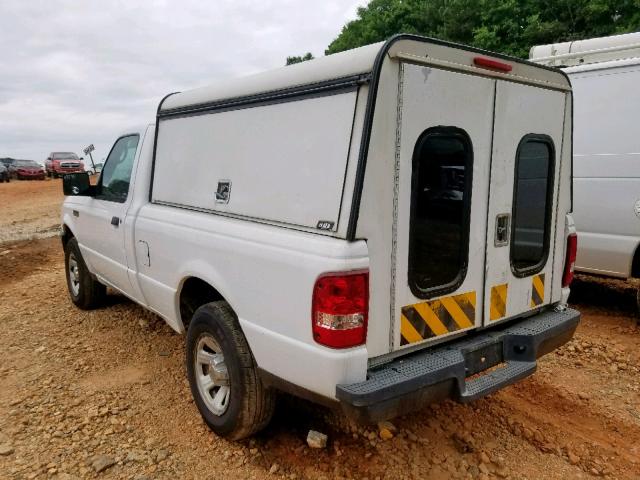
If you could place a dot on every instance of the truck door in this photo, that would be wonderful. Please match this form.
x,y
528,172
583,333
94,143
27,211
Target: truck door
x,y
442,178
102,219
527,146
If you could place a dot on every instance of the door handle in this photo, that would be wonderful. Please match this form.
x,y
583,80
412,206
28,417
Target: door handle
x,y
115,221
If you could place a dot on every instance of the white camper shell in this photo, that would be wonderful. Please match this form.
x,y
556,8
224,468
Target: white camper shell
x,y
383,224
605,73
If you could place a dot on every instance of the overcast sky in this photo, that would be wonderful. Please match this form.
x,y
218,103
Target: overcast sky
x,y
78,72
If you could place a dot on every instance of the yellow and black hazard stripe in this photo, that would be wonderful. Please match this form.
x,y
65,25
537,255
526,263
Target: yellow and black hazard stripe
x,y
437,317
537,290
498,305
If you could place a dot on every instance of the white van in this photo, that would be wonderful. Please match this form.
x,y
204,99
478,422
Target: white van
x,y
605,74
374,229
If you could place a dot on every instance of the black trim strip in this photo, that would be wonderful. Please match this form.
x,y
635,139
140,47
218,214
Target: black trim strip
x,y
370,110
275,96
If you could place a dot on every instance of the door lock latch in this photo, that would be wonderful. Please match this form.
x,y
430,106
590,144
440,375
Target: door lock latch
x,y
502,230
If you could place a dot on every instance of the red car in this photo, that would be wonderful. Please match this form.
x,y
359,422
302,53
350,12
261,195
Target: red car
x,y
59,163
27,170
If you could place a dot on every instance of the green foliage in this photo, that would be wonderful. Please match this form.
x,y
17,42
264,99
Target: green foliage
x,y
507,26
298,59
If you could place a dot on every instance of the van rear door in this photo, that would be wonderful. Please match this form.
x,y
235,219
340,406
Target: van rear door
x,y
442,169
527,147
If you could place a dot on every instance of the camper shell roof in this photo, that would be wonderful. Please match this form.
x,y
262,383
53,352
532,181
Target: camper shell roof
x,y
353,66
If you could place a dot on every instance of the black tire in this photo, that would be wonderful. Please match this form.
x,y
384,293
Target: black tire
x,y
88,293
250,405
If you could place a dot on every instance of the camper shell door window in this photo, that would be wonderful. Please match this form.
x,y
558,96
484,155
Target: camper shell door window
x,y
532,201
440,207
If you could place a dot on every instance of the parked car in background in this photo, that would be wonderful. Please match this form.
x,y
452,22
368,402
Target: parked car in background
x,y
27,170
59,163
7,161
4,173
605,74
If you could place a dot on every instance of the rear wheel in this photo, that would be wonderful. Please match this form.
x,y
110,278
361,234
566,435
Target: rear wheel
x,y
223,374
85,292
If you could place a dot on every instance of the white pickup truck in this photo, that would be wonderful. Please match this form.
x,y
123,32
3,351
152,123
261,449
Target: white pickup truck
x,y
376,229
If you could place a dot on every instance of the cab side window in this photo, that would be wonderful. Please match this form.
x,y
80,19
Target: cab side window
x,y
116,174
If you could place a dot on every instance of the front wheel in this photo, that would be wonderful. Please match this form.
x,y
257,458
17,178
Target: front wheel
x,y
223,374
85,291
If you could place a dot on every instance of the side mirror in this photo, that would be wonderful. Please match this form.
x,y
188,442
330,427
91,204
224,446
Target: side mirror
x,y
77,185
48,158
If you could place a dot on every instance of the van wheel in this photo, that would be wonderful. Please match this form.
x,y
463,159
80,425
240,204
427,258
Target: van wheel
x,y
223,374
86,292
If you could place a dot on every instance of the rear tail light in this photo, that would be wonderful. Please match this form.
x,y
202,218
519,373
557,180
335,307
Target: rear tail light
x,y
570,259
340,309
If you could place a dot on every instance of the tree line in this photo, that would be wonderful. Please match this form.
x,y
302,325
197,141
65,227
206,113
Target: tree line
x,y
507,26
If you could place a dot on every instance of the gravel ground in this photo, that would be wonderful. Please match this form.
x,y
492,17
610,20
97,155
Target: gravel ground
x,y
103,394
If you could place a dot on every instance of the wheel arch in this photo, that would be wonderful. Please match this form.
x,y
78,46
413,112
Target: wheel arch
x,y
193,292
635,263
66,234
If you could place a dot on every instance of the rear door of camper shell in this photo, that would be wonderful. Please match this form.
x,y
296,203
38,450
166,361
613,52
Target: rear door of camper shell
x,y
478,163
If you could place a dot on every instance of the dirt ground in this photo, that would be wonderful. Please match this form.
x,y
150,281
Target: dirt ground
x,y
29,209
81,391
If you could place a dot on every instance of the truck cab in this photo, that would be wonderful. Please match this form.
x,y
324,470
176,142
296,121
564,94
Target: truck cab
x,y
374,230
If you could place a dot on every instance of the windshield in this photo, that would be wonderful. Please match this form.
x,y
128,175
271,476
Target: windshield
x,y
26,163
65,156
